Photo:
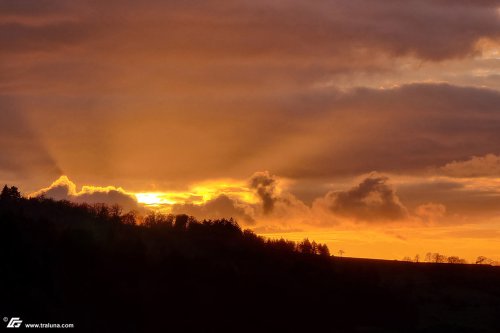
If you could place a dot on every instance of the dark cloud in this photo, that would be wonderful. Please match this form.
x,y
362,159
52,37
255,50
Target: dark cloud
x,y
59,192
405,129
17,37
463,198
274,204
312,135
33,7
372,200
432,30
110,197
292,31
264,185
220,207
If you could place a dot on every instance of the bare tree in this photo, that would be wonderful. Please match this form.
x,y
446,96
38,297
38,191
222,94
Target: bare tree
x,y
438,258
341,253
456,260
129,218
482,260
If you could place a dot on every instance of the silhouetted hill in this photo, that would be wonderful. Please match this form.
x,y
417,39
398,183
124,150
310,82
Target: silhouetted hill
x,y
95,267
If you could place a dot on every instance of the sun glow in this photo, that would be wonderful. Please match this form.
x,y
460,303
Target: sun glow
x,y
198,194
154,199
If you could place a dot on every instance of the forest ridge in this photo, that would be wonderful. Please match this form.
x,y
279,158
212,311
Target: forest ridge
x,y
95,267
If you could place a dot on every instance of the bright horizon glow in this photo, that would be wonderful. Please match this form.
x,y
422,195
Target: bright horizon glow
x,y
197,194
154,198
383,241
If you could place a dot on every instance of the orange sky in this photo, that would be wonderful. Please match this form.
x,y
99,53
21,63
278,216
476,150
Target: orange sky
x,y
370,125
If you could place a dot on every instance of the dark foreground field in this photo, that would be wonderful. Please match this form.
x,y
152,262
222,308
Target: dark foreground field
x,y
92,266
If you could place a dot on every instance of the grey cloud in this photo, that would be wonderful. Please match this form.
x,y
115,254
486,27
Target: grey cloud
x,y
110,197
220,207
426,29
405,129
462,198
357,28
33,7
58,192
265,186
18,37
372,200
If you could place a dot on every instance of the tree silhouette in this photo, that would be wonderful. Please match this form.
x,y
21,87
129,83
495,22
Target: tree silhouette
x,y
482,260
129,218
323,250
306,247
181,221
456,260
157,220
10,193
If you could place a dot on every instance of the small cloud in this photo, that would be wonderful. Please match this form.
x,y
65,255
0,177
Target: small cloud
x,y
372,200
276,202
265,185
430,212
477,166
219,207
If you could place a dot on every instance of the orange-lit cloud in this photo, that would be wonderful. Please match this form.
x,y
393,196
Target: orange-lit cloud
x,y
476,166
64,189
368,214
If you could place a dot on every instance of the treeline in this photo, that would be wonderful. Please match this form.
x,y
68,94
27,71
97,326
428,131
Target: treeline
x,y
155,221
438,258
158,220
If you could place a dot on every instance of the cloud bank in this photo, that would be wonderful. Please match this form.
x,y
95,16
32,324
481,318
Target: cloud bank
x,y
145,92
64,189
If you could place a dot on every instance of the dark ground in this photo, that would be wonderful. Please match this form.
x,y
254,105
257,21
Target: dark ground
x,y
93,267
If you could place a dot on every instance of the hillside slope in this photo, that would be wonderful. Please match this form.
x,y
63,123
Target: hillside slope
x,y
94,267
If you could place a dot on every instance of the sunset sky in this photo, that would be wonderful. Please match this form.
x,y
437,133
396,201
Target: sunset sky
x,y
373,126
